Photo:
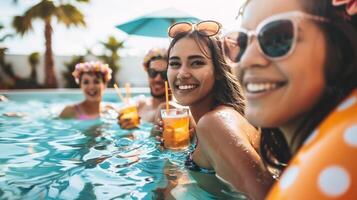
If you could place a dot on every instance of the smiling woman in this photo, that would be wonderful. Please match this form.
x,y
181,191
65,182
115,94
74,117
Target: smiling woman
x,y
201,79
92,78
299,76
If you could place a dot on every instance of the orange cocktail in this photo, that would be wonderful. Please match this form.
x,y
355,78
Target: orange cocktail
x,y
130,112
176,128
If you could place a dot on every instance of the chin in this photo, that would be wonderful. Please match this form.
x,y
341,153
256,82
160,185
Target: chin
x,y
257,118
157,94
184,102
94,100
265,120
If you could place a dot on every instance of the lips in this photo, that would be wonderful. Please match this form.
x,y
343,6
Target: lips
x,y
92,93
260,86
263,86
185,87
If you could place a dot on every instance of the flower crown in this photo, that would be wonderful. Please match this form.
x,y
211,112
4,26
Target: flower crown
x,y
153,53
92,67
351,6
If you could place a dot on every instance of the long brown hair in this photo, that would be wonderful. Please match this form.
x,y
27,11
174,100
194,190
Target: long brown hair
x,y
226,90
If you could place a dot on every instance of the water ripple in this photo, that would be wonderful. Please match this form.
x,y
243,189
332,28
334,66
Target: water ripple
x,y
43,157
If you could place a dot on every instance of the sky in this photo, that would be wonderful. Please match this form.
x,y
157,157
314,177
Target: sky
x,y
101,17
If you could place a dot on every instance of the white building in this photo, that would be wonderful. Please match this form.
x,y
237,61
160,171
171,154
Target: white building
x,y
131,69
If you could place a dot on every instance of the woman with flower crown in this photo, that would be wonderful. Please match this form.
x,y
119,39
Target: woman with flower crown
x,y
92,78
298,69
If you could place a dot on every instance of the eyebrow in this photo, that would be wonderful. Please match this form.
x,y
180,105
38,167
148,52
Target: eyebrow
x,y
190,57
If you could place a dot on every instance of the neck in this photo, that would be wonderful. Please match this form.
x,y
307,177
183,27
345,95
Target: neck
x,y
91,107
157,101
201,107
290,128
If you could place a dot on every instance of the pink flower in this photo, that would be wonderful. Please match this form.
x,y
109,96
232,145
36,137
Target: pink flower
x,y
351,7
92,67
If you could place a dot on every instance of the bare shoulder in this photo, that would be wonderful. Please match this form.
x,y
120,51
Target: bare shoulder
x,y
161,106
224,124
229,125
141,101
68,112
223,118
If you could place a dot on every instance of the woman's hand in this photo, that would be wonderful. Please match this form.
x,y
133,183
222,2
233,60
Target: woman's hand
x,y
158,130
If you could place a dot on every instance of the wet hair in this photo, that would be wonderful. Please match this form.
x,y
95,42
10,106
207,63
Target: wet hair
x,y
227,90
340,78
99,75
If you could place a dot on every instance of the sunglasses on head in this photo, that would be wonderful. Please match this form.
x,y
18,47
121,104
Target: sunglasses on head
x,y
153,73
276,36
205,28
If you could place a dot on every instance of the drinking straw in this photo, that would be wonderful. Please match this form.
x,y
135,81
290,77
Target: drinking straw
x,y
167,97
127,92
119,93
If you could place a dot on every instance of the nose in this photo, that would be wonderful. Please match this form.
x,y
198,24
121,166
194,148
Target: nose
x,y
184,72
92,85
158,77
252,56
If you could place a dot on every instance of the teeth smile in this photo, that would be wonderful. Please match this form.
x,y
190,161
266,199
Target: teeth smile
x,y
261,87
186,87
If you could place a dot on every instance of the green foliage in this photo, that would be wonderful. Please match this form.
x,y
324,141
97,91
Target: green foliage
x,y
6,68
12,81
34,58
111,56
70,82
46,10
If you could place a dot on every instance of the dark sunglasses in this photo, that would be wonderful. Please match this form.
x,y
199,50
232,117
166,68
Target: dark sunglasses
x,y
153,73
205,28
276,35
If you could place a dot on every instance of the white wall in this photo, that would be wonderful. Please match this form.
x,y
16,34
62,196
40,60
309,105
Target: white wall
x,y
131,69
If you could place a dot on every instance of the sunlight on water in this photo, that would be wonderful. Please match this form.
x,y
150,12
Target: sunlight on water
x,y
43,157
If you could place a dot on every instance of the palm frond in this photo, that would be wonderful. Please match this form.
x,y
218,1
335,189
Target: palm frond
x,y
83,1
3,38
43,10
113,44
22,24
70,15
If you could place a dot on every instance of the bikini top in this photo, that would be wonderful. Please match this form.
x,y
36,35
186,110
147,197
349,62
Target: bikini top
x,y
191,165
81,115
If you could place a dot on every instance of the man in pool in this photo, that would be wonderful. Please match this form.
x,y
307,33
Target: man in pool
x,y
155,64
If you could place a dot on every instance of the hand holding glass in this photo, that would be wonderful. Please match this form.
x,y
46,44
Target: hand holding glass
x,y
130,112
176,128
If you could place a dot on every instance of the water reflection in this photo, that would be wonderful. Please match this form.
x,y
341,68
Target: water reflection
x,y
46,158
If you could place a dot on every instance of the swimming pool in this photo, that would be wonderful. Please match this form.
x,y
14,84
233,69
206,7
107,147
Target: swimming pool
x,y
42,157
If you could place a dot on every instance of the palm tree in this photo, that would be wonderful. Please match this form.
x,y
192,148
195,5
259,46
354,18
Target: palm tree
x,y
33,59
67,75
46,10
111,57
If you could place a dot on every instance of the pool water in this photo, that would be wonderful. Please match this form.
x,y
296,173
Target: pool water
x,y
42,157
